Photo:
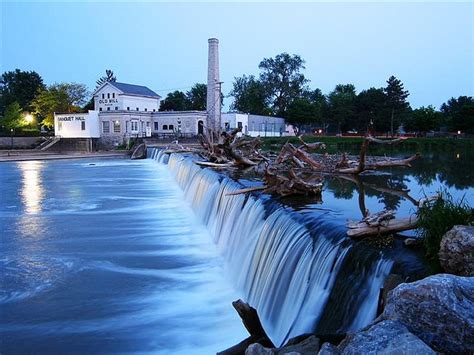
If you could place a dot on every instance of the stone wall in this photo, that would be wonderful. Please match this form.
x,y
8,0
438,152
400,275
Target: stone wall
x,y
20,142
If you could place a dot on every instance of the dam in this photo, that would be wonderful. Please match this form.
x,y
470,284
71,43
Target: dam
x,y
111,255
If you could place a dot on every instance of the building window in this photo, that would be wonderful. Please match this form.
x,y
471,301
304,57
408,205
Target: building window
x,y
100,108
83,125
154,110
116,126
137,108
146,109
108,95
156,126
128,108
171,127
103,96
105,127
108,108
134,126
239,125
116,108
60,125
113,95
165,127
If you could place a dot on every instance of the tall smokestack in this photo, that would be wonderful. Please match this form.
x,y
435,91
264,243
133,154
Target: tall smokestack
x,y
213,87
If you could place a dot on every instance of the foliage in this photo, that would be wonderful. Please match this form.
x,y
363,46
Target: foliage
x,y
423,119
459,114
342,106
19,86
12,117
174,101
109,77
196,97
371,106
438,217
63,97
283,81
249,96
397,102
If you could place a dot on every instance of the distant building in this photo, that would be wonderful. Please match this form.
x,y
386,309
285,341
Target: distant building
x,y
122,111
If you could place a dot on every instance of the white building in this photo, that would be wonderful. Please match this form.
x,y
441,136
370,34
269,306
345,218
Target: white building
x,y
122,111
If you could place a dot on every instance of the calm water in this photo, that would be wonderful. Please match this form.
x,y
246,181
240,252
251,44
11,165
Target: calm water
x,y
104,257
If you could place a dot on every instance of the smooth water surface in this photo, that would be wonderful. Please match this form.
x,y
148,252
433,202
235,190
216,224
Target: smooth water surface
x,y
105,256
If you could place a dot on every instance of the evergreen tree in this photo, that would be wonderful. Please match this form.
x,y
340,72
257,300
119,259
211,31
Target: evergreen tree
x,y
109,77
397,101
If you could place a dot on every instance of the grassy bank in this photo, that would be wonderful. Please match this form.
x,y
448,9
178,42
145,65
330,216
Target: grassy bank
x,y
352,144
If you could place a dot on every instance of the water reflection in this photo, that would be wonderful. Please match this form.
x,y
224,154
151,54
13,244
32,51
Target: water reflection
x,y
32,190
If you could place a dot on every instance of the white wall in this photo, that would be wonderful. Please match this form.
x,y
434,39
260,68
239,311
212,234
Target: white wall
x,y
185,122
70,125
110,98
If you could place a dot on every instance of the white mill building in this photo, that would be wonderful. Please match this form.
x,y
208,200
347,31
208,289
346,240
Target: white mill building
x,y
122,111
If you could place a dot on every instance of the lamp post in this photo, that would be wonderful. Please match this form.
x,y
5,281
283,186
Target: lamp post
x,y
11,137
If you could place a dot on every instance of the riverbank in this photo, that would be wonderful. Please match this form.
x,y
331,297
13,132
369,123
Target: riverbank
x,y
25,155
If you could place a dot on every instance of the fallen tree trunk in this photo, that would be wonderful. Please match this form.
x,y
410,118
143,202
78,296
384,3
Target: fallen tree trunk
x,y
252,323
362,229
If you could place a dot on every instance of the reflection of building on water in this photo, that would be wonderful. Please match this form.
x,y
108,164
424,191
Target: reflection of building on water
x,y
32,191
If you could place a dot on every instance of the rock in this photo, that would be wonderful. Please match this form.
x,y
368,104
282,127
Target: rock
x,y
139,152
438,309
308,346
456,252
329,349
412,242
386,337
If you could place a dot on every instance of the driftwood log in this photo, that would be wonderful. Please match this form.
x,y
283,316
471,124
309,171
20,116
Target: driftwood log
x,y
252,323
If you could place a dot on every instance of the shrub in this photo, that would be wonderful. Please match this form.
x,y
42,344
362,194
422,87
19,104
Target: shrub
x,y
437,217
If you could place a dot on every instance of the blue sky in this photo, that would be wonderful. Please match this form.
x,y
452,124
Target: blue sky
x,y
429,46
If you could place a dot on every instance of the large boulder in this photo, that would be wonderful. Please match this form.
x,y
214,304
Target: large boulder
x,y
456,252
438,309
386,337
139,152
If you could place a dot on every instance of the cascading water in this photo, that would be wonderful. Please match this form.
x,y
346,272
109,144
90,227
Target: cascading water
x,y
289,272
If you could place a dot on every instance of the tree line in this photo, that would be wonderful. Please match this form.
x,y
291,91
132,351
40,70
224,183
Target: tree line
x,y
281,89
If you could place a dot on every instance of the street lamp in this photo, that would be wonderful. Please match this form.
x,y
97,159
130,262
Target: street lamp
x,y
11,142
29,118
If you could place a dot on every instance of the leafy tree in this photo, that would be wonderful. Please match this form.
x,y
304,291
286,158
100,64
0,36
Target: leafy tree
x,y
342,106
109,77
19,86
196,97
249,96
282,81
301,112
174,101
459,114
423,119
12,117
63,97
371,106
397,101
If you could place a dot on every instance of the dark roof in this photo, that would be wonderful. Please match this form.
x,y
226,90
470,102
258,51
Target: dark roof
x,y
134,89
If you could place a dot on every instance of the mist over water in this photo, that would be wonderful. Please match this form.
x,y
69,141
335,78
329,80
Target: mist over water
x,y
104,256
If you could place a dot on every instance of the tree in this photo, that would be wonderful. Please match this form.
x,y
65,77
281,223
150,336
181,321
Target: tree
x,y
109,77
310,109
63,97
396,99
423,119
12,118
249,96
282,81
459,114
19,86
342,106
371,106
175,101
197,97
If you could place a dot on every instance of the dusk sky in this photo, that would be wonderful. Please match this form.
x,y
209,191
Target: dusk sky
x,y
429,46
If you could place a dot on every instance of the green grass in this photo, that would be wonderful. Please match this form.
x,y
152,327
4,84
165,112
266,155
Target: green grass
x,y
438,217
352,144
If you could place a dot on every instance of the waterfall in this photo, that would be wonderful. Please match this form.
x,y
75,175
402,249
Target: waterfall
x,y
292,273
